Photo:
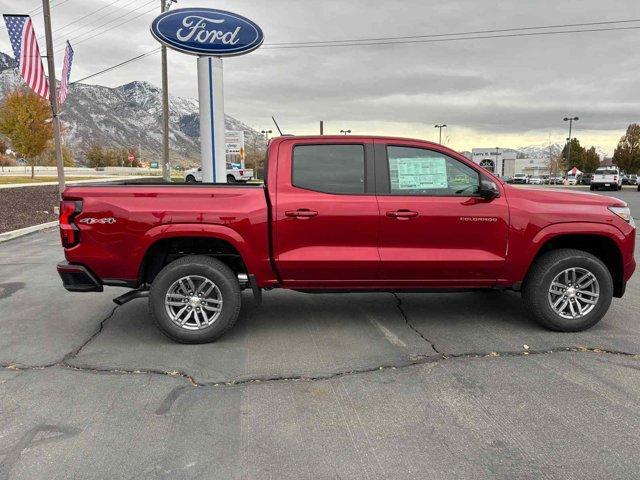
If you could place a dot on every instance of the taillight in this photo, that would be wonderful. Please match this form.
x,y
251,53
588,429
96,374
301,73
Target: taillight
x,y
69,233
241,172
615,178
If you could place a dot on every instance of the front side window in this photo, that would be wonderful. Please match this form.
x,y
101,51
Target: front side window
x,y
329,168
417,171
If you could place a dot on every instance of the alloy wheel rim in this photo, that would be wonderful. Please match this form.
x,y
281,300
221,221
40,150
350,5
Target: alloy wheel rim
x,y
193,302
574,293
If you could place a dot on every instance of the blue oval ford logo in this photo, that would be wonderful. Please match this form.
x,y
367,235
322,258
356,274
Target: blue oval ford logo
x,y
207,32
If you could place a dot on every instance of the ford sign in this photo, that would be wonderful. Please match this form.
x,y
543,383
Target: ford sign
x,y
207,32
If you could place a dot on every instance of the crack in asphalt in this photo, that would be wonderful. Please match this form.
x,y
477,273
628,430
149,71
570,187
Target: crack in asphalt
x,y
418,360
410,325
238,381
75,352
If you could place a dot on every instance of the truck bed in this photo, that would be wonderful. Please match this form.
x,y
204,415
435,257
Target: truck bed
x,y
125,220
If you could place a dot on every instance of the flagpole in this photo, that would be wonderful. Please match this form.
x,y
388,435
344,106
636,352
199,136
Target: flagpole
x,y
53,95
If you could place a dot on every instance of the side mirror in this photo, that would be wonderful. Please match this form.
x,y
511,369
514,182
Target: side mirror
x,y
488,190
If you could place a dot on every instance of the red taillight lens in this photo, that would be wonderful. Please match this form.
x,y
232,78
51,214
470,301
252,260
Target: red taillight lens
x,y
241,172
69,233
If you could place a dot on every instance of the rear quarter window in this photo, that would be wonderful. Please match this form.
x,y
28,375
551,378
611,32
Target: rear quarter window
x,y
329,168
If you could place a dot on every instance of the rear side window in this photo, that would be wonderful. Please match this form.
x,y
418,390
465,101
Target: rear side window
x,y
329,168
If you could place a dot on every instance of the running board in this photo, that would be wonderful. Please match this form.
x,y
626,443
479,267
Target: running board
x,y
131,295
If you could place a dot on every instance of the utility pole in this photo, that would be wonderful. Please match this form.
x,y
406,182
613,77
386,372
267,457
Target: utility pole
x,y
53,95
570,120
440,127
166,171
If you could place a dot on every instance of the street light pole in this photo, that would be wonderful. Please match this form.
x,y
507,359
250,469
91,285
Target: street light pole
x,y
53,95
266,134
166,170
570,120
440,127
346,132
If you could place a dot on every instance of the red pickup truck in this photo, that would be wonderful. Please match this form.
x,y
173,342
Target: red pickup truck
x,y
340,214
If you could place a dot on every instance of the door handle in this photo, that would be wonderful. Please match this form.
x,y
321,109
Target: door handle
x,y
301,213
402,214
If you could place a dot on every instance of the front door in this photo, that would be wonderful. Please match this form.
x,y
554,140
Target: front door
x,y
435,229
326,214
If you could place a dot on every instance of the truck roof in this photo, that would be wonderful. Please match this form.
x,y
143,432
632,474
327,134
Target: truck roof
x,y
332,138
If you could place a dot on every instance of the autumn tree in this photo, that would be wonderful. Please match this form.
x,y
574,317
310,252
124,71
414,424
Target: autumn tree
x,y
25,120
97,157
627,153
3,147
590,160
48,157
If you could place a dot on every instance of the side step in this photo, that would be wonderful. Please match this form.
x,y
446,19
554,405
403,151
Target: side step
x,y
131,295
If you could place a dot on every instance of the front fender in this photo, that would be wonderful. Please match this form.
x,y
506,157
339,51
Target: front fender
x,y
523,258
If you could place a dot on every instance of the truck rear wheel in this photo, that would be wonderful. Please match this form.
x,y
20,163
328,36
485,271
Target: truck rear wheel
x,y
231,179
568,290
195,299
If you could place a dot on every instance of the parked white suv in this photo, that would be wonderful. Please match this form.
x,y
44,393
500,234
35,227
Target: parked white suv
x,y
234,174
607,177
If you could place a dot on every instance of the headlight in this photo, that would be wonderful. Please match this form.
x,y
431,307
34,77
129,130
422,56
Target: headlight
x,y
624,213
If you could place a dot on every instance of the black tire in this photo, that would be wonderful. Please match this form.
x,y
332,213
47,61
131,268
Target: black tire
x,y
592,188
211,269
535,292
190,179
231,179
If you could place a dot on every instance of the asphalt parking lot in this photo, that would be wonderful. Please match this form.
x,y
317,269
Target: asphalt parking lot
x,y
355,386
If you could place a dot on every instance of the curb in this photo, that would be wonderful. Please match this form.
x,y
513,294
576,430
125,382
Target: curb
x,y
4,237
71,182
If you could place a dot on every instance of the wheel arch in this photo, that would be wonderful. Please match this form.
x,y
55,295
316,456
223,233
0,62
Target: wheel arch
x,y
167,243
602,241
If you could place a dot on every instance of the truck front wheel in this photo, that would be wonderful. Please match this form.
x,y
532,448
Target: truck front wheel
x,y
568,290
195,299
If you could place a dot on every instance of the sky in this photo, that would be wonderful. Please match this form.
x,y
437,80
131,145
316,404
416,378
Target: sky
x,y
505,92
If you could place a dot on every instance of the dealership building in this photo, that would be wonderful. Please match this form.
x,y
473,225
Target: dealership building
x,y
497,160
503,162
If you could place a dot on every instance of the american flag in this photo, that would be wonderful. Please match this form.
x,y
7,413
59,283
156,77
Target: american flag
x,y
27,54
66,73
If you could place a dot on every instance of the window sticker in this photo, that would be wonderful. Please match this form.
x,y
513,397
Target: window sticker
x,y
418,173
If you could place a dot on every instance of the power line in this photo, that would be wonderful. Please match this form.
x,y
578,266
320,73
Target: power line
x,y
438,40
106,15
138,57
501,30
38,11
86,16
399,41
111,21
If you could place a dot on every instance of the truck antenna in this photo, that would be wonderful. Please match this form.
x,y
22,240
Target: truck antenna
x,y
274,121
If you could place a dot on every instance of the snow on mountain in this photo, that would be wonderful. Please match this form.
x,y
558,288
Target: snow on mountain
x,y
541,150
129,116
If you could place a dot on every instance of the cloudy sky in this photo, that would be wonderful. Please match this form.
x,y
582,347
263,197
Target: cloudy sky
x,y
506,92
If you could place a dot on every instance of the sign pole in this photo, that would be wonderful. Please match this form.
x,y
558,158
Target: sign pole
x,y
212,128
53,95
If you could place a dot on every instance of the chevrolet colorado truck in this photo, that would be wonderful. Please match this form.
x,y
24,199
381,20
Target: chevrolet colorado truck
x,y
343,214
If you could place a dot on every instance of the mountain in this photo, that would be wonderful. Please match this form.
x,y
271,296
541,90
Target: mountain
x,y
542,150
129,116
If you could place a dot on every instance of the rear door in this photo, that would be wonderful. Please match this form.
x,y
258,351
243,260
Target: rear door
x,y
435,230
326,213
